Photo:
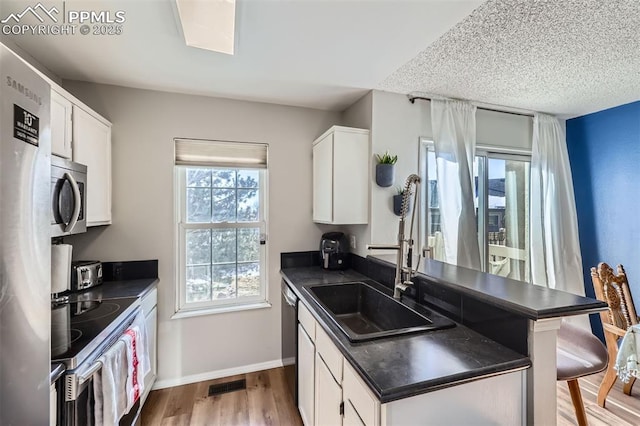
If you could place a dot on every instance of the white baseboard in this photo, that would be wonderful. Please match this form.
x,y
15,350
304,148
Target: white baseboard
x,y
288,361
211,375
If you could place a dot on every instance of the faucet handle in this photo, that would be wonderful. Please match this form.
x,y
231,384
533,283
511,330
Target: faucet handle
x,y
403,286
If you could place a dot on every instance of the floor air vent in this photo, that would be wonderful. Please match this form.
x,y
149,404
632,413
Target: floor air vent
x,y
227,387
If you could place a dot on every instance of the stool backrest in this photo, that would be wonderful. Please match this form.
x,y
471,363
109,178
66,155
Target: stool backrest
x,y
614,289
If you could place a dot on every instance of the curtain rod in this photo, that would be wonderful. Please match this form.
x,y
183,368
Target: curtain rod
x,y
412,99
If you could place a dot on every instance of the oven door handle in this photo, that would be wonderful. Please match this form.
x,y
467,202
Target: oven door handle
x,y
86,375
77,203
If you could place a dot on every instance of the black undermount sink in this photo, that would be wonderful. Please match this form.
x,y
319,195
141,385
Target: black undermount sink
x,y
365,313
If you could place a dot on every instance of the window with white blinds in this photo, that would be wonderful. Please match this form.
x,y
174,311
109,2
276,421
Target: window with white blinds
x,y
220,225
210,153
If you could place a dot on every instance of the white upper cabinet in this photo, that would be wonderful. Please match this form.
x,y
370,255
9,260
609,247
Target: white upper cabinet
x,y
323,180
80,134
341,176
60,125
92,147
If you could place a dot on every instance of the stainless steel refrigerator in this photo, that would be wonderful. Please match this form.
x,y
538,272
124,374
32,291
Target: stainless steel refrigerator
x,y
25,243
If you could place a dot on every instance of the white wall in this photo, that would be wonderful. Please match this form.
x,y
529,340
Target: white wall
x,y
26,56
360,115
397,125
144,125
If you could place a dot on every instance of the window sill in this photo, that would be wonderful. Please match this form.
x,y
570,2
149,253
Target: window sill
x,y
212,310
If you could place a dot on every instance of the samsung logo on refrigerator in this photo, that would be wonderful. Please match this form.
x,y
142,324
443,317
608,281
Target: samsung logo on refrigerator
x,y
24,90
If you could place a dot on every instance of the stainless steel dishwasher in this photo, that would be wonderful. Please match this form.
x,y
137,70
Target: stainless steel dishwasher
x,y
290,338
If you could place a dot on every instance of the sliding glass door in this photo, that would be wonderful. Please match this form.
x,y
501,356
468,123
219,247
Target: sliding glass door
x,y
506,231
502,210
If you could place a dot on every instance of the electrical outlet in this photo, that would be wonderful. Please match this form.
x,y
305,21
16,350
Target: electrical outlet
x,y
352,241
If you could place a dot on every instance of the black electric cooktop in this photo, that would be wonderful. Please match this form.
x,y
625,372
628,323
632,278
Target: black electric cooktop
x,y
79,328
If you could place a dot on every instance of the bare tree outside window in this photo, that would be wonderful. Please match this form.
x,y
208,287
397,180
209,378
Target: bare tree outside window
x,y
223,258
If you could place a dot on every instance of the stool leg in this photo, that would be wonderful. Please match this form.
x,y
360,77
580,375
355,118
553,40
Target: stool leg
x,y
576,398
628,386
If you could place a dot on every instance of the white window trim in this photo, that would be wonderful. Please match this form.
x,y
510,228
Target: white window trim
x,y
222,306
425,145
190,313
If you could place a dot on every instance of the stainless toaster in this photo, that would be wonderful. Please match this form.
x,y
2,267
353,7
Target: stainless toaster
x,y
85,274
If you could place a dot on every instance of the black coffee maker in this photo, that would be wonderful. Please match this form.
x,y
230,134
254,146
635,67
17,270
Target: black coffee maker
x,y
334,251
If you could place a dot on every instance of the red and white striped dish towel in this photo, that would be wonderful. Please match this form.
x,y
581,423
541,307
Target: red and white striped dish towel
x,y
139,364
108,386
120,382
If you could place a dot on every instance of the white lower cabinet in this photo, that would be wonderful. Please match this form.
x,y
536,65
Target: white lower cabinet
x,y
306,377
350,416
331,392
151,321
328,396
150,310
498,400
363,402
320,367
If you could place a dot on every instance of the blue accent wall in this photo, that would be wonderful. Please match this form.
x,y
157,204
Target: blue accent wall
x,y
604,152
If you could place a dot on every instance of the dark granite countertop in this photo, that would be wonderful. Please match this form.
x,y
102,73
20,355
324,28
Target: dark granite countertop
x,y
531,301
403,366
118,289
316,275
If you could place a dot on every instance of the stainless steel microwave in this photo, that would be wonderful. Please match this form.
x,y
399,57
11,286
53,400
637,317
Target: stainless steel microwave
x,y
68,197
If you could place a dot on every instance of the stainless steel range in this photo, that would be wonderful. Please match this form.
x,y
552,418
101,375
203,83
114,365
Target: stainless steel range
x,y
81,331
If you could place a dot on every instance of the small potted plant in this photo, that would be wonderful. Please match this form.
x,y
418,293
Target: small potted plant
x,y
397,201
385,169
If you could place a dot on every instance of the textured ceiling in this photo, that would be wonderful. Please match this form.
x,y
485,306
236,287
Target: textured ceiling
x,y
566,57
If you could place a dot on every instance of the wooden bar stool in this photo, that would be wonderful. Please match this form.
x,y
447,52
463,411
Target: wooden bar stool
x,y
579,353
614,289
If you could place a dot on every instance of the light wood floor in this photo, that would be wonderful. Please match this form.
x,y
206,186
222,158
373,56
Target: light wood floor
x,y
621,409
266,401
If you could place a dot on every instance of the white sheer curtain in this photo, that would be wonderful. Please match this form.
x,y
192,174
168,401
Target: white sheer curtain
x,y
454,138
556,261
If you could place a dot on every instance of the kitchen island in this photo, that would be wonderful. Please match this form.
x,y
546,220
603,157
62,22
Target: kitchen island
x,y
501,349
